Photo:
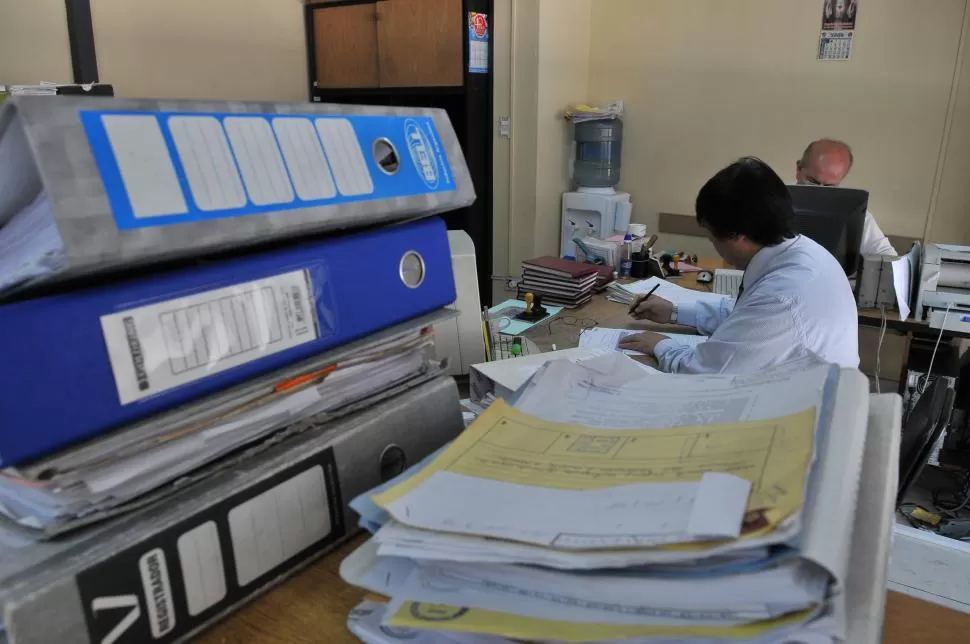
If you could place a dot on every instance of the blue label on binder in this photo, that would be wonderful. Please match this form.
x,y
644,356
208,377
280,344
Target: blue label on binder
x,y
162,168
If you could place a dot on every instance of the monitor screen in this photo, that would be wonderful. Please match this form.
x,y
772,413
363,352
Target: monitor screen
x,y
834,218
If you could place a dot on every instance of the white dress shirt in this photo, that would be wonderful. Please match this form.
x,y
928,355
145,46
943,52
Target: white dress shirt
x,y
874,241
796,301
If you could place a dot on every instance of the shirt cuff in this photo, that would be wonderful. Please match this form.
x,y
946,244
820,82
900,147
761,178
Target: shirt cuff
x,y
663,347
687,315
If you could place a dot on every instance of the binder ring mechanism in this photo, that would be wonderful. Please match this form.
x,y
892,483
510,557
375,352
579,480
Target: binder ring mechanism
x,y
393,462
412,269
386,156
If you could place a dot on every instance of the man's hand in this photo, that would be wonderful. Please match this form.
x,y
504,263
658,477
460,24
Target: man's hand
x,y
653,308
643,342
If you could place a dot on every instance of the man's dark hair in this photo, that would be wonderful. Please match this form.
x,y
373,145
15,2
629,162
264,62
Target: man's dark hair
x,y
747,198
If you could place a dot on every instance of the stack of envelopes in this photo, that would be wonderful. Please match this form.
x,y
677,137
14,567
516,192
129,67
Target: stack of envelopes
x,y
603,502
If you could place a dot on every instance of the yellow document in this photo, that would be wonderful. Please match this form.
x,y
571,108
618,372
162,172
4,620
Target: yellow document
x,y
507,445
519,627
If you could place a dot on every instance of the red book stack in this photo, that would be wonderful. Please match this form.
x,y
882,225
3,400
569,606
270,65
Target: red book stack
x,y
560,282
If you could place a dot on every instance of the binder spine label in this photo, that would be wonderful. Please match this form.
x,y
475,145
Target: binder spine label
x,y
180,578
156,347
161,168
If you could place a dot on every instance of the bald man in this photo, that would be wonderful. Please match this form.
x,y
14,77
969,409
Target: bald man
x,y
825,163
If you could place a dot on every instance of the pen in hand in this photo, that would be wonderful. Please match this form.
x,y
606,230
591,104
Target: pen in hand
x,y
636,302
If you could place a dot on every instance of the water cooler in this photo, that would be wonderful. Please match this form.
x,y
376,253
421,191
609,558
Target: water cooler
x,y
595,209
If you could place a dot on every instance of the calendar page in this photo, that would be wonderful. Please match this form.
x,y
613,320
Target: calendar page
x,y
838,26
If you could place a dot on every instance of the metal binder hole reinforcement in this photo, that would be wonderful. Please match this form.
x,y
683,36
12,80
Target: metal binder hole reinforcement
x,y
386,156
393,462
412,269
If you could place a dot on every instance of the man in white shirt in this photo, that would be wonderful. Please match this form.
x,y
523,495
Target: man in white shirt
x,y
826,162
795,299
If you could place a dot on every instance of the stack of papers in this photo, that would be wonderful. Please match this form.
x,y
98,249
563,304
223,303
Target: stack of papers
x,y
123,470
627,293
612,504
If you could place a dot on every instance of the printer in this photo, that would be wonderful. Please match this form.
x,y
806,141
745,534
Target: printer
x,y
944,285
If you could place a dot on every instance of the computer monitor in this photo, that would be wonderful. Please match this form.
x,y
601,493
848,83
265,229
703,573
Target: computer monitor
x,y
834,218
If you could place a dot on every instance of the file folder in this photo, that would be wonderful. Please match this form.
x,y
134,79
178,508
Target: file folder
x,y
114,474
163,573
80,363
108,182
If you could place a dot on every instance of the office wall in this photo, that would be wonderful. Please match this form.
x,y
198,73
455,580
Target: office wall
x,y
33,42
548,71
564,56
707,81
210,49
951,212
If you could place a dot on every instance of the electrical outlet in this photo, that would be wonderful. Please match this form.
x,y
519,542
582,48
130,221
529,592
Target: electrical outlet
x,y
511,284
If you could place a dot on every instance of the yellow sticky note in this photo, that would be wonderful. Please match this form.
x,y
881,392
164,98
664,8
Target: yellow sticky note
x,y
485,622
504,444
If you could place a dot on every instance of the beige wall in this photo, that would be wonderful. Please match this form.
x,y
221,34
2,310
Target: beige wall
x,y
524,108
707,81
33,42
549,70
217,49
564,55
951,213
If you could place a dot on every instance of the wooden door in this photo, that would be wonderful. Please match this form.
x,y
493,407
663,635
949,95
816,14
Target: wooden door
x,y
345,39
420,43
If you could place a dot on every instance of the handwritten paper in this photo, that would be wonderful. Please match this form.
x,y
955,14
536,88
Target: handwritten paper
x,y
508,446
639,514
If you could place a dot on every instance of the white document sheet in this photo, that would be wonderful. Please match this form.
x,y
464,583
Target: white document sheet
x,y
503,377
616,364
902,283
398,540
574,393
667,290
601,337
619,598
644,514
605,338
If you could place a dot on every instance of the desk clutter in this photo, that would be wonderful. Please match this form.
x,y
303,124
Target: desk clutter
x,y
187,409
568,512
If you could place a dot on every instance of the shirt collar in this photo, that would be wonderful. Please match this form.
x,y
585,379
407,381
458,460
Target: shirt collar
x,y
763,259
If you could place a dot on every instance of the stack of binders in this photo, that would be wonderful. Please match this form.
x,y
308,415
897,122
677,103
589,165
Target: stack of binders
x,y
216,328
560,281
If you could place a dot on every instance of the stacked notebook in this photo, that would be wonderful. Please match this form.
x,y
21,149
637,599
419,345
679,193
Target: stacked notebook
x,y
566,513
171,380
560,281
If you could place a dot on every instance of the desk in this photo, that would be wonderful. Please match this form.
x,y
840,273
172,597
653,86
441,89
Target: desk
x,y
564,329
312,606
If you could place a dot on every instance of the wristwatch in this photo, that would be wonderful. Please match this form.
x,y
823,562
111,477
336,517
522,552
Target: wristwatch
x,y
673,313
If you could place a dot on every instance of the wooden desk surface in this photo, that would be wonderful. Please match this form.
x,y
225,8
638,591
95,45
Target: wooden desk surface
x,y
312,606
